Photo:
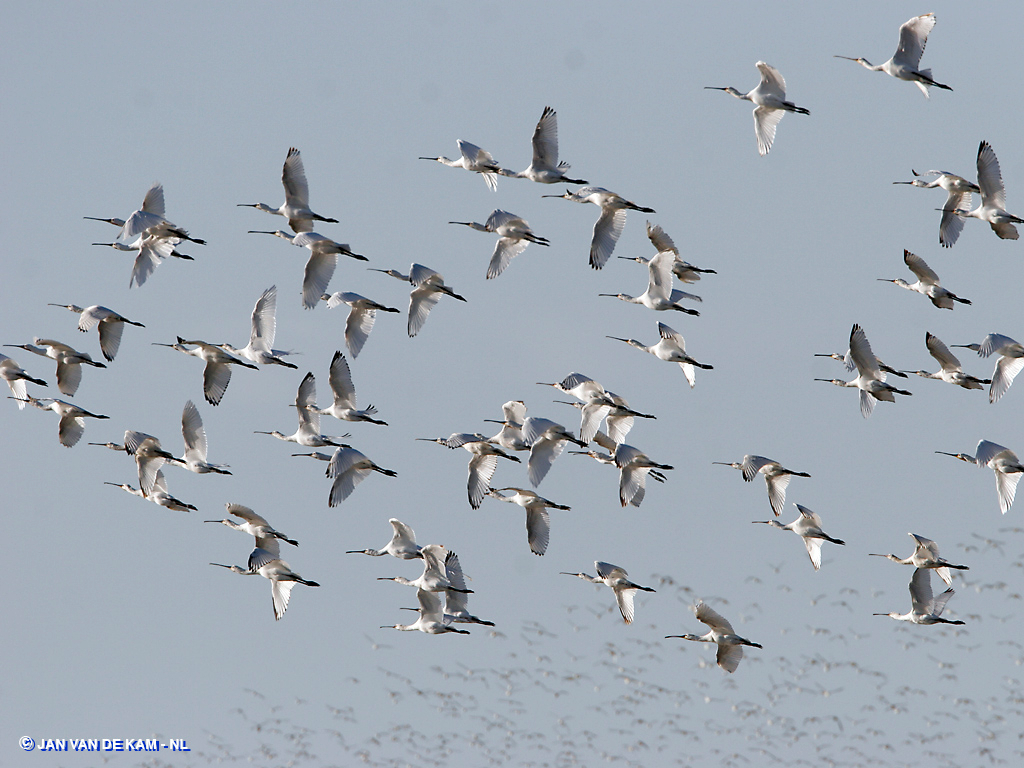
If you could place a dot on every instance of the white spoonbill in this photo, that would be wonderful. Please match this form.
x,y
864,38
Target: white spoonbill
x,y
672,349
906,62
361,317
435,574
514,234
1003,462
633,465
428,286
261,337
951,371
993,197
926,555
615,577
150,253
158,496
283,579
959,192
149,220
925,609
15,376
308,432
194,435
1009,364
108,322
72,417
547,440
254,525
344,392
456,601
402,545
69,361
545,168
296,196
217,373
538,521
482,464
847,360
808,528
770,99
431,619
927,282
776,477
323,260
348,468
476,160
871,380
511,436
149,457
683,270
730,645
660,295
596,404
609,224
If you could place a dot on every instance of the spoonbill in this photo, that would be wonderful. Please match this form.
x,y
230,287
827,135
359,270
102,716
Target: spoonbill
x,y
609,224
925,609
959,192
456,600
69,361
348,468
402,545
428,286
672,349
547,440
596,404
254,525
15,376
514,234
476,160
927,282
158,495
538,521
150,253
194,435
993,197
511,436
683,270
344,391
730,645
149,457
808,528
847,360
217,373
361,317
296,197
871,380
323,260
261,337
604,441
308,432
1003,462
951,371
545,168
633,465
926,555
660,295
283,579
482,464
72,417
615,577
435,574
108,322
1009,364
776,477
149,220
431,618
770,99
905,63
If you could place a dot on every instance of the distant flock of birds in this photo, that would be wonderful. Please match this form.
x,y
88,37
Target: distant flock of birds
x,y
154,239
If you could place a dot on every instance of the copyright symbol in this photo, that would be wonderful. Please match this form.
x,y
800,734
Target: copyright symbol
x,y
28,743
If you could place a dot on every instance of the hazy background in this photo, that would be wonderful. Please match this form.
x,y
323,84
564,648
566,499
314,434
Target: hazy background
x,y
117,627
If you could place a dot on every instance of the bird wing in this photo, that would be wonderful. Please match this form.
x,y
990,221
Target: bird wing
x,y
150,215
990,180
670,334
951,224
592,416
1006,488
941,353
216,377
814,550
624,597
766,120
926,547
752,465
1006,370
404,536
246,514
995,343
421,301
151,254
690,373
296,188
632,485
418,275
260,557
309,420
543,453
481,470
607,230
69,376
659,276
357,328
193,432
475,155
505,250
607,570
70,429
618,428
430,605
281,591
110,338
270,544
315,278
921,591
913,37
264,320
939,604
538,530
514,411
606,441
712,618
867,403
340,380
918,266
772,82
729,657
347,475
863,357
987,451
660,239
777,492
545,140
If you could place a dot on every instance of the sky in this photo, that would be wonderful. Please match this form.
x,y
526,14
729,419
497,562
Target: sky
x,y
117,626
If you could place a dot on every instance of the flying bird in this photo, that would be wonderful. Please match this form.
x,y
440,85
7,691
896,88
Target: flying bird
x,y
344,392
609,224
672,349
615,577
158,495
308,432
323,260
514,234
296,197
927,282
958,191
194,435
348,468
431,618
254,525
730,645
660,295
950,372
361,317
871,380
402,545
108,322
72,417
538,521
808,528
993,197
545,168
476,160
261,337
1009,364
69,361
428,286
547,440
482,464
15,376
925,609
926,555
683,270
776,477
269,565
634,465
1003,462
217,373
